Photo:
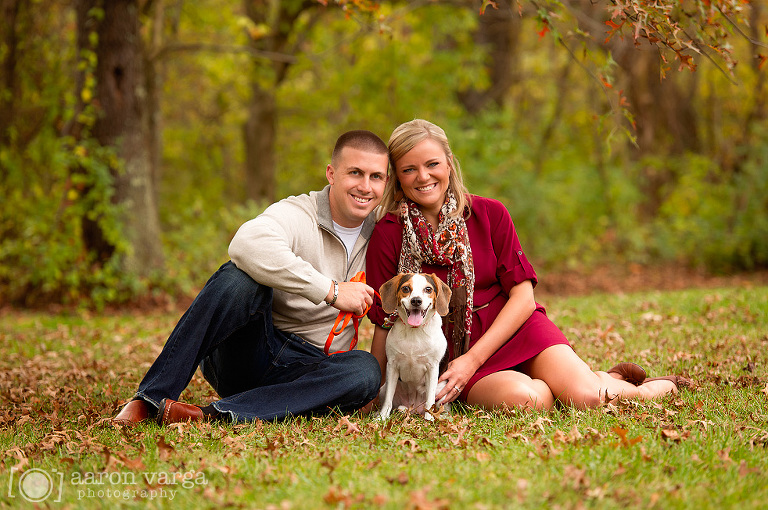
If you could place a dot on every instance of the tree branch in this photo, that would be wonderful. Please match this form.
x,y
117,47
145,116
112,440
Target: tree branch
x,y
222,48
740,31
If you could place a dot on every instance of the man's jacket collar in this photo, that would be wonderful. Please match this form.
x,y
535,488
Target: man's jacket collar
x,y
326,221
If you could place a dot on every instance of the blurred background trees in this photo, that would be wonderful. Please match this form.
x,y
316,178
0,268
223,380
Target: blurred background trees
x,y
137,135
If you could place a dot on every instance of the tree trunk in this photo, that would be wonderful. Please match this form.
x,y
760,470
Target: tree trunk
x,y
155,78
122,123
498,31
260,132
9,10
665,118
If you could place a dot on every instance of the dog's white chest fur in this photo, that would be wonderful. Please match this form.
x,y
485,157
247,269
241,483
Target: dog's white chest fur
x,y
415,344
415,359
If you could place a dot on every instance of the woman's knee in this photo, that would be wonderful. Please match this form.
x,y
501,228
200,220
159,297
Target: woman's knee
x,y
537,393
585,398
520,394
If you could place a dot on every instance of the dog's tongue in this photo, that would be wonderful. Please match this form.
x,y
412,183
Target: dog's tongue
x,y
414,318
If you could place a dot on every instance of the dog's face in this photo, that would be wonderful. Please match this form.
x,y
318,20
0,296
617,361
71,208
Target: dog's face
x,y
415,297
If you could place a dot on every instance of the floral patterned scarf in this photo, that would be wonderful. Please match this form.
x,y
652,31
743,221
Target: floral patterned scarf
x,y
449,246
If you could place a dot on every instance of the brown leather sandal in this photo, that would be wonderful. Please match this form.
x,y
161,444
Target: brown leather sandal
x,y
678,380
631,372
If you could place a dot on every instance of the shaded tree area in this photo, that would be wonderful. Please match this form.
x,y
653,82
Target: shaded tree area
x,y
138,134
122,122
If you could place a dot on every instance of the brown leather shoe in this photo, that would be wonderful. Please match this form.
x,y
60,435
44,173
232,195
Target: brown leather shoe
x,y
172,411
132,413
631,372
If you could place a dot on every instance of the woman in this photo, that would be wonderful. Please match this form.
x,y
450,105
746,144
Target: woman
x,y
503,350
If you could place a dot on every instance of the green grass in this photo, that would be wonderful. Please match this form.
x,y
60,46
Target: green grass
x,y
63,375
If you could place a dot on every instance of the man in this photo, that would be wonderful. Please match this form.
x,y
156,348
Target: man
x,y
259,326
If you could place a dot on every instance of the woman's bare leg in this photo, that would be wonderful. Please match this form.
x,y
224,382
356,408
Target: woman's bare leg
x,y
510,388
574,383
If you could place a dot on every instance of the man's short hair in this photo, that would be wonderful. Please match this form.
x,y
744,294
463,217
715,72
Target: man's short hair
x,y
359,139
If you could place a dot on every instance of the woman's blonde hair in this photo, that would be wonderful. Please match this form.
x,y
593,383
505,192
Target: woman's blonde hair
x,y
404,138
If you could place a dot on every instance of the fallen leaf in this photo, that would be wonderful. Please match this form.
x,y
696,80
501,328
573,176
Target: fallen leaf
x,y
136,464
164,449
625,441
419,500
744,470
401,479
336,495
725,456
351,427
459,440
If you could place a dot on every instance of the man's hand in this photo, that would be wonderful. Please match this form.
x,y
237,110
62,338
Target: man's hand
x,y
353,297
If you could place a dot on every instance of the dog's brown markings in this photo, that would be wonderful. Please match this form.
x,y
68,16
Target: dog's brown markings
x,y
443,292
389,291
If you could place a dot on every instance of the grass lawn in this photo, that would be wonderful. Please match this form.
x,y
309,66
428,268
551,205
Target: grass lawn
x,y
63,375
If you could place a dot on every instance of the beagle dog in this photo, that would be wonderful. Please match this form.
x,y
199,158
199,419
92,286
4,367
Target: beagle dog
x,y
415,344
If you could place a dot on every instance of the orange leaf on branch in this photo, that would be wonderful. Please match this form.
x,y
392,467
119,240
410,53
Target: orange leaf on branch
x,y
485,5
615,27
544,30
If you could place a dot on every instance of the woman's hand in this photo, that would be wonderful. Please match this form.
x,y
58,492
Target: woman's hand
x,y
456,376
516,311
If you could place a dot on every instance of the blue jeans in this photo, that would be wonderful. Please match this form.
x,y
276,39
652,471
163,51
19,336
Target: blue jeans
x,y
259,371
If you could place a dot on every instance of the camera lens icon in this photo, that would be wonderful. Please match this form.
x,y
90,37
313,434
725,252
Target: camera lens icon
x,y
35,485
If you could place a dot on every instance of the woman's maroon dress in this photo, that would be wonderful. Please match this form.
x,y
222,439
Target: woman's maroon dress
x,y
500,264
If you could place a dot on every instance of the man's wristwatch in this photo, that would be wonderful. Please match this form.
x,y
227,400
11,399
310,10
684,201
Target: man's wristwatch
x,y
335,293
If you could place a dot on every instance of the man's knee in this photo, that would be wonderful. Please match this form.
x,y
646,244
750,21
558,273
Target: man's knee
x,y
364,372
233,286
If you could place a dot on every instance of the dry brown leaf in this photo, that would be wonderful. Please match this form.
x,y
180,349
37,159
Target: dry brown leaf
x,y
350,427
410,443
165,450
671,435
624,440
575,478
336,495
401,479
725,455
517,435
539,423
380,500
459,440
744,470
418,500
22,464
574,435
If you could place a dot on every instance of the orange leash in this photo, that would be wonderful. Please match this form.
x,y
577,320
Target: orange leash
x,y
343,319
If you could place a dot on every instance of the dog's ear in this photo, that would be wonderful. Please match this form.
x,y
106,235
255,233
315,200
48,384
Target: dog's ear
x,y
443,295
388,293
